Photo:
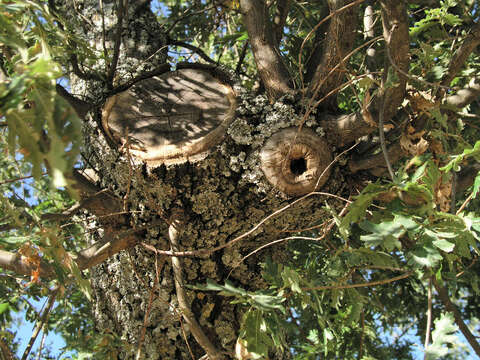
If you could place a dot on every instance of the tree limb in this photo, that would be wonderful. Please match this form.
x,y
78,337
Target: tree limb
x,y
345,129
193,48
395,32
161,69
6,352
283,6
173,233
369,33
270,65
40,323
395,153
81,107
118,40
443,295
241,58
465,96
97,201
80,73
85,259
458,60
338,41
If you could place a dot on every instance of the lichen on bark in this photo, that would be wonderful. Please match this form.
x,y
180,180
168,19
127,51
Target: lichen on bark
x,y
223,195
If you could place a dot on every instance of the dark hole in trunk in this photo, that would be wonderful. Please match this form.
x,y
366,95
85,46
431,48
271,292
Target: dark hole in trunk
x,y
298,166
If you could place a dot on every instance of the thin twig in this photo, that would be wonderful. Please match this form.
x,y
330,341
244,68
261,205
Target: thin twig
x,y
241,58
195,49
468,267
20,178
41,322
381,133
410,76
104,36
316,239
465,203
42,343
381,116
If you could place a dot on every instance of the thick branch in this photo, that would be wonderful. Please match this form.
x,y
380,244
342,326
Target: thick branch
x,y
270,65
81,107
465,96
345,129
395,32
338,42
118,40
85,259
283,6
395,153
6,352
458,60
97,201
443,295
173,233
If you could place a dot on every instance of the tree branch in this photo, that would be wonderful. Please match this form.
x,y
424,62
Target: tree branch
x,y
193,48
283,6
429,317
80,73
6,352
85,259
81,107
345,129
241,58
465,96
458,60
40,323
443,295
163,68
395,153
338,41
395,32
369,33
270,65
118,40
173,233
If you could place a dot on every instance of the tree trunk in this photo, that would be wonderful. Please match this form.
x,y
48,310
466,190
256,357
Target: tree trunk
x,y
223,193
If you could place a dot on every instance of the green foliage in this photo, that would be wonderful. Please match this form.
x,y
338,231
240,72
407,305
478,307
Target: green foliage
x,y
443,334
353,294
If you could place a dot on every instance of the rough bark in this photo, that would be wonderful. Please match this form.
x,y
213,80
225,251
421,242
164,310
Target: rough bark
x,y
395,32
222,196
338,42
270,65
